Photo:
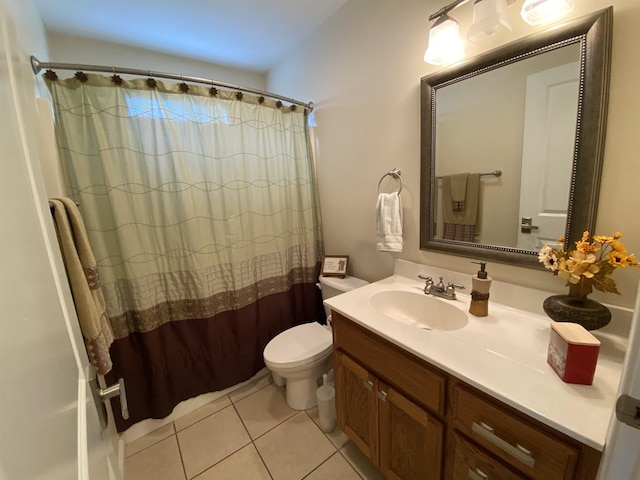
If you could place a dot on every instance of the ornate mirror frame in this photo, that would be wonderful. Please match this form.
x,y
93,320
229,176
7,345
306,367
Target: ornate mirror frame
x,y
593,32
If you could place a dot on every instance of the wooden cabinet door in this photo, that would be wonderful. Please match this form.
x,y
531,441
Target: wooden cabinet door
x,y
356,404
410,438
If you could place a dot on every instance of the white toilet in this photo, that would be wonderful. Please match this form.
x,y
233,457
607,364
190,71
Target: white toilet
x,y
300,355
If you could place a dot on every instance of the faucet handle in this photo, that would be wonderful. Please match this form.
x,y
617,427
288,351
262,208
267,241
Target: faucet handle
x,y
451,288
428,284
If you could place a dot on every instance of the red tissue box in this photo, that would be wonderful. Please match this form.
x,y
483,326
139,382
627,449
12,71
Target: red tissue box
x,y
573,352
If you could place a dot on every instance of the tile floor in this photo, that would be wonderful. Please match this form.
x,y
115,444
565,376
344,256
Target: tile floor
x,y
249,434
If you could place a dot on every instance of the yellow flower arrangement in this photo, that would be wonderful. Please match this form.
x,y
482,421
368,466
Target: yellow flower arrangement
x,y
591,264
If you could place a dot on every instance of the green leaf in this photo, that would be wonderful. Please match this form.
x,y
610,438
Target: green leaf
x,y
606,268
607,285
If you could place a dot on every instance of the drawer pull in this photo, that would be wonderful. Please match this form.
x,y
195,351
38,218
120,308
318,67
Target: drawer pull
x,y
524,450
478,474
518,452
382,395
368,384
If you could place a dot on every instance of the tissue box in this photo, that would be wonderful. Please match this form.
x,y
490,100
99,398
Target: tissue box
x,y
573,352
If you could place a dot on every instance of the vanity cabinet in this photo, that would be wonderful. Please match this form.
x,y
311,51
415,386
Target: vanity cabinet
x,y
415,421
387,403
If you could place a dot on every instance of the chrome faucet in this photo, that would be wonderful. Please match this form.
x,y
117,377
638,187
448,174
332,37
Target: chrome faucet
x,y
439,290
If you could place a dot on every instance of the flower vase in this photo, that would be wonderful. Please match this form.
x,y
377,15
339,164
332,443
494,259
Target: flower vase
x,y
577,308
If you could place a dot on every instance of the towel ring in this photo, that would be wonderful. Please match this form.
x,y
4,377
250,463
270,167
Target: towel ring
x,y
395,173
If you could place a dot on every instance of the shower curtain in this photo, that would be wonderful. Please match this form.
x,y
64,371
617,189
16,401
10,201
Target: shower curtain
x,y
200,205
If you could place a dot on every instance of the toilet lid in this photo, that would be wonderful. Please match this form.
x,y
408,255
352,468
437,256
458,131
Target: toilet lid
x,y
299,345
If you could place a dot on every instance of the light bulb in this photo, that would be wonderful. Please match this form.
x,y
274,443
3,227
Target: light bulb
x,y
489,17
536,12
445,44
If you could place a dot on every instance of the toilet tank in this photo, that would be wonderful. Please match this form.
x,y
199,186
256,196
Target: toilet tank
x,y
332,286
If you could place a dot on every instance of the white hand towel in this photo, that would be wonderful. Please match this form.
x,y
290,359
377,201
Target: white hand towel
x,y
389,223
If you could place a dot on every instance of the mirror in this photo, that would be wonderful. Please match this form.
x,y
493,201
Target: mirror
x,y
512,144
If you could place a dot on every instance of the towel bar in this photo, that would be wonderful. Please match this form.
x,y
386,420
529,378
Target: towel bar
x,y
75,201
495,173
395,173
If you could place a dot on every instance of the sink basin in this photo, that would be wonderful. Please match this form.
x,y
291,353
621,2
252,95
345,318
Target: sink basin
x,y
419,310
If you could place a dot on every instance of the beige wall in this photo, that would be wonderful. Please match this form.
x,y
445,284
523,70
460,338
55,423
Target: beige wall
x,y
30,33
68,49
362,69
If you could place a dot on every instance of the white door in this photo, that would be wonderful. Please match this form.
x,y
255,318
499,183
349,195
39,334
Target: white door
x,y
49,427
621,459
547,156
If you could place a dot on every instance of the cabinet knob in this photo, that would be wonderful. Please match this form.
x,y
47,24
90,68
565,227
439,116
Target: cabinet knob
x,y
368,384
382,395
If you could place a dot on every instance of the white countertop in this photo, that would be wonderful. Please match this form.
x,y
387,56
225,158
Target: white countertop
x,y
504,355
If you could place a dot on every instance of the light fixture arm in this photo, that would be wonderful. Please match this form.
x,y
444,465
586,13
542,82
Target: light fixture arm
x,y
455,4
446,9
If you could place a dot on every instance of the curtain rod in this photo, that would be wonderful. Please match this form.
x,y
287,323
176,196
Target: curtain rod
x,y
37,66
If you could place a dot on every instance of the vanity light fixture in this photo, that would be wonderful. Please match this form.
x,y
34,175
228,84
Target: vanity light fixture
x,y
536,12
489,17
445,44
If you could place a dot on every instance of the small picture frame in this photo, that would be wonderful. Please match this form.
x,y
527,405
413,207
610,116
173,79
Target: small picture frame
x,y
335,265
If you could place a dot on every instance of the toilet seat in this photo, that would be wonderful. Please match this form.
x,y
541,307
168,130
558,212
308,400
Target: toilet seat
x,y
299,345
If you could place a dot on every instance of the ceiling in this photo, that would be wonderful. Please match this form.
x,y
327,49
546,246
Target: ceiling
x,y
248,34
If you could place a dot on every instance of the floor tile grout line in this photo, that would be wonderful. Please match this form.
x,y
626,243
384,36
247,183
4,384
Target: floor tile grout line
x,y
203,418
154,443
252,441
175,434
266,467
147,447
275,426
286,420
232,453
305,412
176,431
293,414
248,394
255,447
231,404
338,450
322,463
323,432
218,462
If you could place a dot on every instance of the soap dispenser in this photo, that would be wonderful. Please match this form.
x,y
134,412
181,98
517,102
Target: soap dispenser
x,y
481,282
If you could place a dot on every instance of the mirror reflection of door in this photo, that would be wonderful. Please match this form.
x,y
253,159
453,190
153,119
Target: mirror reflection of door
x,y
547,155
